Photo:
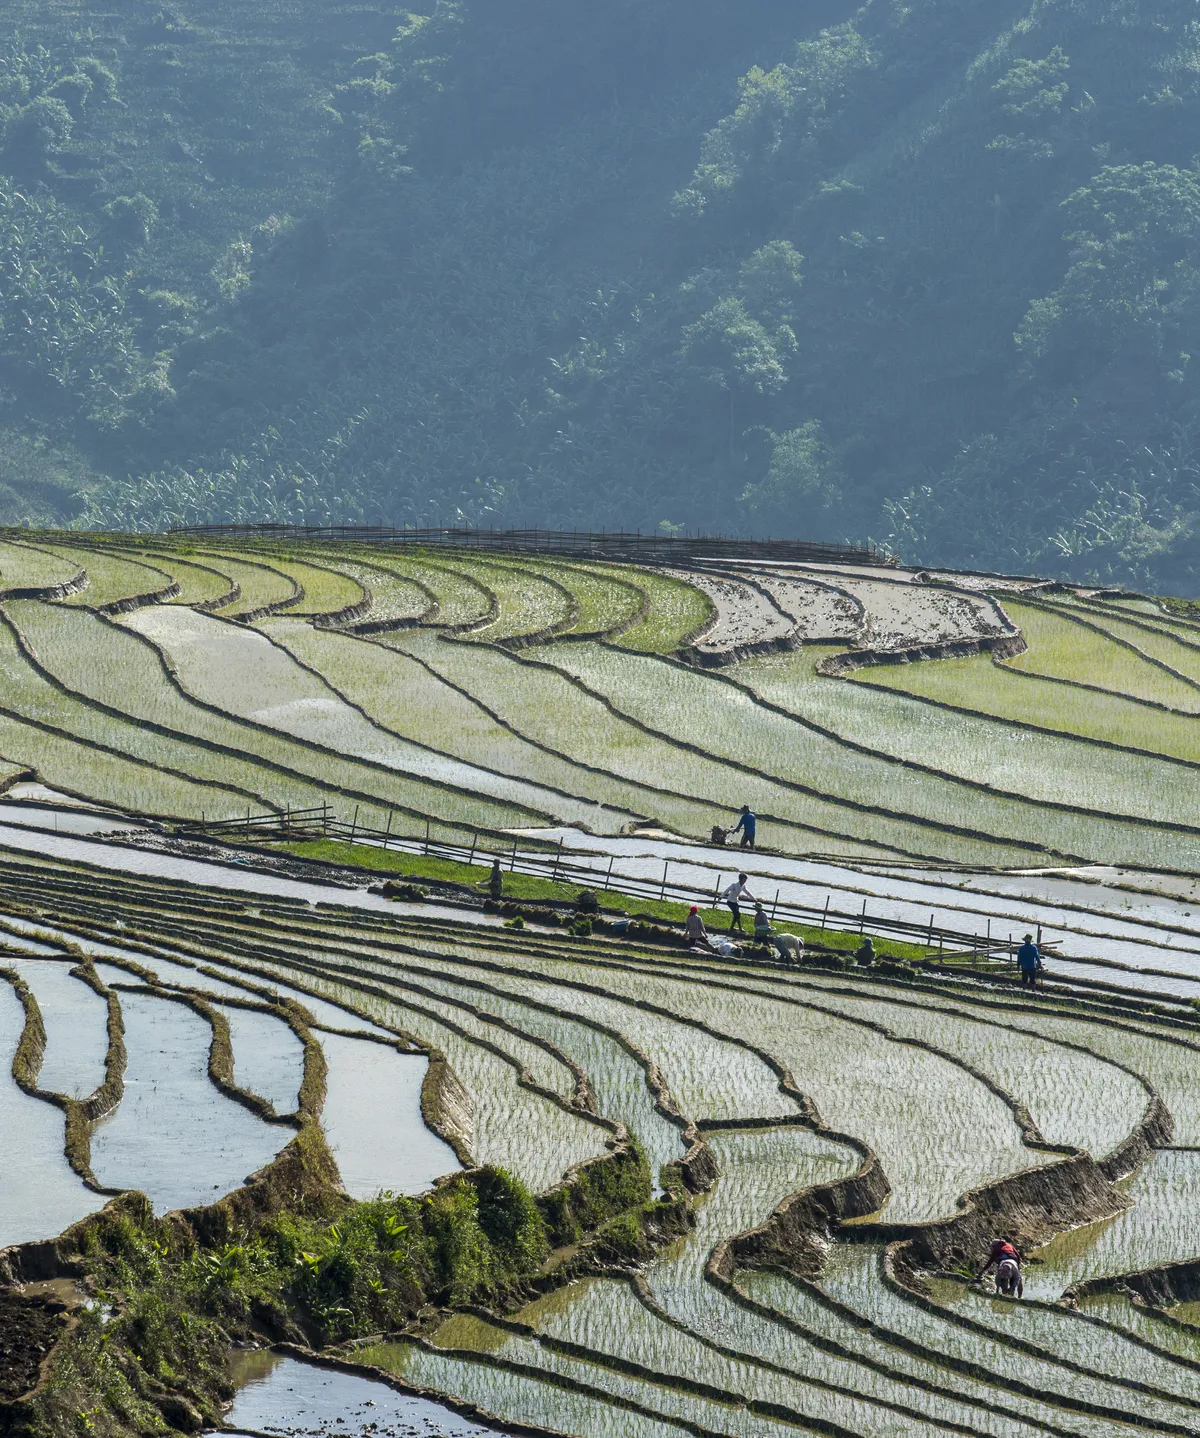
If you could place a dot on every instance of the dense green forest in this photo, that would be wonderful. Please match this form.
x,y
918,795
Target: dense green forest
x,y
922,271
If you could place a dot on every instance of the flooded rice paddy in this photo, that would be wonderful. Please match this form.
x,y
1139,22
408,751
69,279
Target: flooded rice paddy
x,y
545,1036
372,1119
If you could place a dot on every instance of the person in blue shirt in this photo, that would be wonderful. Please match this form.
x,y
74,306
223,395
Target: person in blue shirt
x,y
748,823
1029,961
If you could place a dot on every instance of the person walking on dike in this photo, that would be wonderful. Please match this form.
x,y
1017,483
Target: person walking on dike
x,y
695,930
734,896
748,824
1029,961
1004,1257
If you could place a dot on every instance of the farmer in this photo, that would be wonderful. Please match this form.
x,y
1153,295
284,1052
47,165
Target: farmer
x,y
865,953
733,896
788,947
695,930
1007,1262
1029,961
496,881
748,823
762,925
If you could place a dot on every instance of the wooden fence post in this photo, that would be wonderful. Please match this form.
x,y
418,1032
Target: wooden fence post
x,y
354,824
387,833
862,920
775,905
474,842
662,893
427,835
825,915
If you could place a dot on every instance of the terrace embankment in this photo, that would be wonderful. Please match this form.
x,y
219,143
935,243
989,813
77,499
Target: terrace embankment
x,y
271,1260
1032,1205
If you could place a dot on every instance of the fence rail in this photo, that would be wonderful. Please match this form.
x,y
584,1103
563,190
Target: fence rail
x,y
567,868
578,543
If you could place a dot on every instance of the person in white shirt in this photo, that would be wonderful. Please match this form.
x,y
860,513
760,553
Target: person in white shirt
x,y
733,896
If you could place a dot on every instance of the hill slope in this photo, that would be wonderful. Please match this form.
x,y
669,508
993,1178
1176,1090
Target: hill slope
x,y
922,272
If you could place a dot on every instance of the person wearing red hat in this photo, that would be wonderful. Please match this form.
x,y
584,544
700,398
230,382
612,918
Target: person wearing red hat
x,y
696,932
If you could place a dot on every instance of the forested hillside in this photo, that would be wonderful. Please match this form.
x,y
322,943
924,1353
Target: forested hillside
x,y
923,272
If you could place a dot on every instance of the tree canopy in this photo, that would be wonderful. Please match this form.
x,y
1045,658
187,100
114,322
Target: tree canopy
x,y
920,273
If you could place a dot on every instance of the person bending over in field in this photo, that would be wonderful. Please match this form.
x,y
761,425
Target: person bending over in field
x,y
697,934
733,896
748,824
1004,1257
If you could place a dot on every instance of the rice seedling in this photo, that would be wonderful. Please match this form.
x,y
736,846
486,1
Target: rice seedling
x,y
546,707
105,663
605,1317
461,598
979,684
1171,642
1060,647
394,598
1073,1098
326,590
529,602
852,1277
681,703
175,1137
677,612
605,599
239,672
201,584
994,1409
1181,1340
262,586
514,1127
759,1168
1061,1332
137,786
26,567
1006,757
111,578
1158,1227
396,693
709,1077
1166,1059
521,1397
372,1119
41,1195
414,989
406,697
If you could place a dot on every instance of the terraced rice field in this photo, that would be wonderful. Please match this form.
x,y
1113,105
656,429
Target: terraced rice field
x,y
895,1100
824,1151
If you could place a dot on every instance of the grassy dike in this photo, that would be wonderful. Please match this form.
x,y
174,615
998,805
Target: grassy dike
x,y
290,1257
530,888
